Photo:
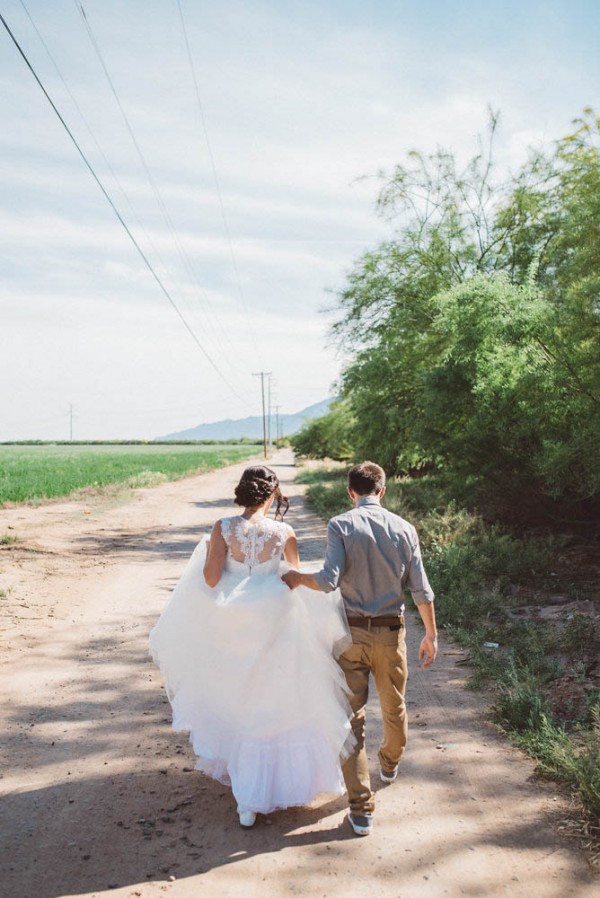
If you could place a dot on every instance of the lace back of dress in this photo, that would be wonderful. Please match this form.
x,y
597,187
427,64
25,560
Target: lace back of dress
x,y
254,543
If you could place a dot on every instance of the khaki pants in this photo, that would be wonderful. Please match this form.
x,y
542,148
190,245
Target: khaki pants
x,y
381,652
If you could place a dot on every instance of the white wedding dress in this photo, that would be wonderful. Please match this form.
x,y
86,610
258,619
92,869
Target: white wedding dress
x,y
250,670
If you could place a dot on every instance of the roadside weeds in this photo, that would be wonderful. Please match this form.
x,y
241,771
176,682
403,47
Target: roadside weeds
x,y
532,633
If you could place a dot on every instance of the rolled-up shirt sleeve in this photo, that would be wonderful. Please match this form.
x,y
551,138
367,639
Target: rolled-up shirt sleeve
x,y
335,560
417,582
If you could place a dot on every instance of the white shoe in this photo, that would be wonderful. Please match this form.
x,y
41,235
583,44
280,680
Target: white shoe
x,y
247,818
386,777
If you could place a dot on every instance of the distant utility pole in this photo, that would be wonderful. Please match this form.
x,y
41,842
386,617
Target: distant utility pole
x,y
277,407
262,375
71,423
269,407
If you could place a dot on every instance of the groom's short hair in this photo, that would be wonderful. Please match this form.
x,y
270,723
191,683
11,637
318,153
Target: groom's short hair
x,y
366,479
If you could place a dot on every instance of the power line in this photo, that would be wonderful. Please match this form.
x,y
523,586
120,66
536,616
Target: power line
x,y
115,210
86,124
203,304
216,177
150,178
94,138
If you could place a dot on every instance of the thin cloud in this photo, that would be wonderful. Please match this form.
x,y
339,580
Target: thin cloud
x,y
300,102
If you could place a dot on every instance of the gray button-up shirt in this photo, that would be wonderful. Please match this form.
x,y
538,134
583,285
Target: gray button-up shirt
x,y
372,554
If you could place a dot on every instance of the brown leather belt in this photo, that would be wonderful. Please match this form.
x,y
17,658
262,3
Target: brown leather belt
x,y
367,623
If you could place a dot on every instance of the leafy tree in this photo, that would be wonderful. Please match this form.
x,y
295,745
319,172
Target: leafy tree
x,y
328,437
502,404
475,330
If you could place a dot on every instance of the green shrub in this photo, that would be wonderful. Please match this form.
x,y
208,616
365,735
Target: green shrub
x,y
327,437
328,501
519,705
560,757
579,636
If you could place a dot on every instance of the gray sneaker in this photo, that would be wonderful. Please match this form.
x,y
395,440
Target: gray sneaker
x,y
388,776
362,824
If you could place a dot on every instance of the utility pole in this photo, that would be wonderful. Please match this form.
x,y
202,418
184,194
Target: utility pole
x,y
269,407
262,375
277,407
71,423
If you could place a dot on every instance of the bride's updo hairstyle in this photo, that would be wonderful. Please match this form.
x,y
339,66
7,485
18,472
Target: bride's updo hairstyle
x,y
258,484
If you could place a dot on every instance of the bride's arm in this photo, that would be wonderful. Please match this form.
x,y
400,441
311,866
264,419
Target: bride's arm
x,y
290,550
215,556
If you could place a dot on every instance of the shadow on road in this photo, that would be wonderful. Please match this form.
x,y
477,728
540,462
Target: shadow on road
x,y
121,804
125,805
104,793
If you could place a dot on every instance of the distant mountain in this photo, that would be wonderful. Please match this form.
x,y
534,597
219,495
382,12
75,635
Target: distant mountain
x,y
251,428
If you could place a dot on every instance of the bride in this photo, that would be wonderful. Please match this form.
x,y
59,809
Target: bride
x,y
249,667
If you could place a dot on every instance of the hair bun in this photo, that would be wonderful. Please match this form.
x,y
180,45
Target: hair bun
x,y
253,492
257,484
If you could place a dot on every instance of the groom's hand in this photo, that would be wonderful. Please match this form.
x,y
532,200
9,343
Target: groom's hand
x,y
428,650
291,579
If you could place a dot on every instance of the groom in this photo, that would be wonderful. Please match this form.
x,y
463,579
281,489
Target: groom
x,y
372,554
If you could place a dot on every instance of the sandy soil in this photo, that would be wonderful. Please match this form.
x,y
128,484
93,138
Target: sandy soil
x,y
99,794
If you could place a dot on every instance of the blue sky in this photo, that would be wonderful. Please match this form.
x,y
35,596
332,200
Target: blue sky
x,y
300,101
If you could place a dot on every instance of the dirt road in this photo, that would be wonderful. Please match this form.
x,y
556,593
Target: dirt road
x,y
99,794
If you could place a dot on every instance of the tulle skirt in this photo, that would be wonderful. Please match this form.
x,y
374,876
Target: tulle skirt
x,y
250,671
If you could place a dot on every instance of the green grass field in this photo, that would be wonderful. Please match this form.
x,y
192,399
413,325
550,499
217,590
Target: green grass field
x,y
47,471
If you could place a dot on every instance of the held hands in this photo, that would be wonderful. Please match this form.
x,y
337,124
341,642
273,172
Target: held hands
x,y
428,650
291,579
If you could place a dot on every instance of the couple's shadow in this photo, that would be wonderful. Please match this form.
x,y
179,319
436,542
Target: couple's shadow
x,y
122,830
